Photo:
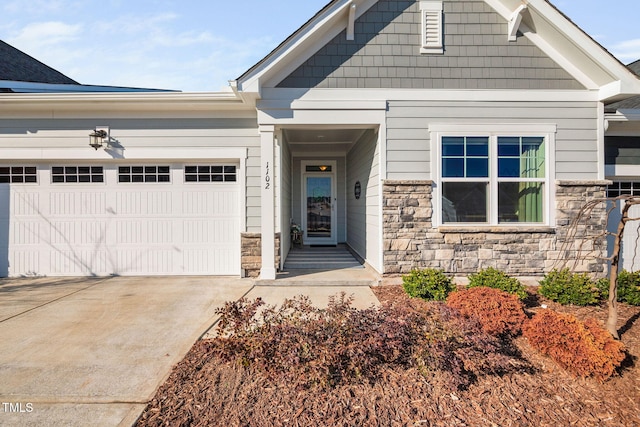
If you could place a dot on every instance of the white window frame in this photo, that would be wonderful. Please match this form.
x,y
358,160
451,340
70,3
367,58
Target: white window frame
x,y
432,27
144,174
223,174
493,131
77,174
20,177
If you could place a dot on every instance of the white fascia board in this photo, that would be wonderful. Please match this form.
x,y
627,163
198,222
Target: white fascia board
x,y
378,95
135,153
157,101
346,118
322,104
559,58
619,89
302,45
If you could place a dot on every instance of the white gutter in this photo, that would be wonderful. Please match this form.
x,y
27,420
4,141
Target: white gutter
x,y
121,101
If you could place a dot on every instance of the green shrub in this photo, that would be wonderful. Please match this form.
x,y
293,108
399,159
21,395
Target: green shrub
x,y
428,284
565,287
492,278
628,287
583,348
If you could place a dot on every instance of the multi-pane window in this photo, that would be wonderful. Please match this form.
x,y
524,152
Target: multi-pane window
x,y
623,188
73,174
18,174
492,179
210,173
144,174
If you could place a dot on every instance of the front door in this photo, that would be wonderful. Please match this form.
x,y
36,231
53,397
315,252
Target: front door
x,y
319,207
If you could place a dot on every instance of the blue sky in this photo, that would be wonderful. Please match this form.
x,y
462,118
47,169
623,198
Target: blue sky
x,y
198,45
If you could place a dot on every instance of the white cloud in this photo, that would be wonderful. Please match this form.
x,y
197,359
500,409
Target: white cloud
x,y
627,51
37,7
134,24
46,34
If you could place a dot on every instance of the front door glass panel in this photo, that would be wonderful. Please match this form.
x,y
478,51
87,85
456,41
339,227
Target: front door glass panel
x,y
319,209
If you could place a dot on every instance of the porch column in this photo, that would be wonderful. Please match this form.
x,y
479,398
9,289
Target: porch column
x,y
267,196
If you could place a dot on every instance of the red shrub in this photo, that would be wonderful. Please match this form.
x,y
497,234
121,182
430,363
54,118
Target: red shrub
x,y
584,348
498,312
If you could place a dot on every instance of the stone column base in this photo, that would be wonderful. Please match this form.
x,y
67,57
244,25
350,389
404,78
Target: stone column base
x,y
251,254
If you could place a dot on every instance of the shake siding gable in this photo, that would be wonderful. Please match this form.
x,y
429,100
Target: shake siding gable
x,y
386,54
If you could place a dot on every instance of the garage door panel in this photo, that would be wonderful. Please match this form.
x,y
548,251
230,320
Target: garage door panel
x,y
28,232
141,262
220,202
221,260
23,203
106,228
79,202
78,232
80,261
144,202
144,232
28,262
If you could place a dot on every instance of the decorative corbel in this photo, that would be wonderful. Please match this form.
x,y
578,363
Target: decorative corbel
x,y
352,22
514,22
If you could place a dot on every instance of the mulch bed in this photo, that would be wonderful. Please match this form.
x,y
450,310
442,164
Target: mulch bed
x,y
203,390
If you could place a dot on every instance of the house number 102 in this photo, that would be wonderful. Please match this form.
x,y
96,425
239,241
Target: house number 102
x,y
267,178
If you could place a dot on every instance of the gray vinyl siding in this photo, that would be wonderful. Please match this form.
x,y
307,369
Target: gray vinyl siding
x,y
386,54
409,148
148,132
363,215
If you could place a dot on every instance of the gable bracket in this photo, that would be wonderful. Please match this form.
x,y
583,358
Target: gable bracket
x,y
514,22
352,22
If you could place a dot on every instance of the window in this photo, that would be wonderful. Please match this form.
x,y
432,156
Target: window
x,y
18,174
144,174
431,27
624,188
492,178
73,174
212,173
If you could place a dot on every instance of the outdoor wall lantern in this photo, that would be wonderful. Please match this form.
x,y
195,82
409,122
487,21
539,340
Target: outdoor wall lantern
x,y
99,137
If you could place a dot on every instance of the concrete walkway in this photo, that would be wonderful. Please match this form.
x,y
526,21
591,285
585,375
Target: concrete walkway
x,y
92,352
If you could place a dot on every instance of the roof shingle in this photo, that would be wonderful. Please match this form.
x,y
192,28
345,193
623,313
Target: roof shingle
x,y
16,65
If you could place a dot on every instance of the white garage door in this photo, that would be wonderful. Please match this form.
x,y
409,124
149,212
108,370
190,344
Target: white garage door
x,y
131,219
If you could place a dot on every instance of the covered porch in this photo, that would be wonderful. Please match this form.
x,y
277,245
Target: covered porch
x,y
321,200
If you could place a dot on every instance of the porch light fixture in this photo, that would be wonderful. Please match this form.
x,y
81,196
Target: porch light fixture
x,y
98,138
322,168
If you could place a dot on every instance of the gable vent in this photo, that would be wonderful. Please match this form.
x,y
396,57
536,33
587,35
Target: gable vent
x,y
431,27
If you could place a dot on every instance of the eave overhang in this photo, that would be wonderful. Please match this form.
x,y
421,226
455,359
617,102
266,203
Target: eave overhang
x,y
573,49
297,48
121,102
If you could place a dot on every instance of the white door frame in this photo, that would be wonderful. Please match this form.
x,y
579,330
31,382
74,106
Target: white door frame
x,y
333,239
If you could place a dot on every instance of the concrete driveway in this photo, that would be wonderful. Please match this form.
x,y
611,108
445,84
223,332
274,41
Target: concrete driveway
x,y
78,351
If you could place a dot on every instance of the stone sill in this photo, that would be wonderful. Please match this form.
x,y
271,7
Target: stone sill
x,y
503,229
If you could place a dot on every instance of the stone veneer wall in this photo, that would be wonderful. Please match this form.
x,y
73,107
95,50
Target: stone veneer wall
x,y
251,253
410,241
